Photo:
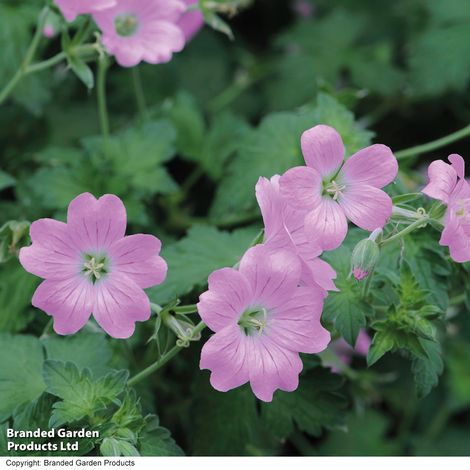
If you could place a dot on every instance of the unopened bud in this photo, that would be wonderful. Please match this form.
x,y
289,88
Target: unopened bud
x,y
183,329
364,258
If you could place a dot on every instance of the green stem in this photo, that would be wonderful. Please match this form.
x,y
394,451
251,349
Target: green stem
x,y
367,284
185,309
139,92
101,95
411,228
21,72
434,145
47,329
164,359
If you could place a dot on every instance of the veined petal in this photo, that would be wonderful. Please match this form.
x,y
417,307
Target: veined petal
x,y
366,206
458,164
301,187
375,166
442,181
228,296
296,326
137,256
226,355
53,254
96,224
272,276
272,367
118,303
323,149
321,273
326,225
69,301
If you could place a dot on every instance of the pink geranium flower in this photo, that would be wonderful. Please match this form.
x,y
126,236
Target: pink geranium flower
x,y
192,21
284,229
346,353
89,266
261,320
142,30
447,184
72,8
332,191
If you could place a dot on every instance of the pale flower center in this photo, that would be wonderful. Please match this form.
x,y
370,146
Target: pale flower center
x,y
126,24
334,189
94,267
462,211
254,320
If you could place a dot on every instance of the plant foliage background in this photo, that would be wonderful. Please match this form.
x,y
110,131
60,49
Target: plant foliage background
x,y
220,115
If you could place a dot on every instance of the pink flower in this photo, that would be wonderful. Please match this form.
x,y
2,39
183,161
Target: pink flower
x,y
261,320
72,8
447,184
89,266
142,30
303,8
284,229
192,21
346,353
48,31
332,191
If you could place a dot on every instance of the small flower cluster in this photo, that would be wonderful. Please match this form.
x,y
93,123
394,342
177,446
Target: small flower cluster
x,y
447,184
268,311
139,30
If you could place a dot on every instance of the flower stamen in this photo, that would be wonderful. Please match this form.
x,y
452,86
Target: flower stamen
x,y
94,268
126,24
254,320
335,189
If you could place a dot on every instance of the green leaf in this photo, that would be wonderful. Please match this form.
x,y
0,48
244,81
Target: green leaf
x,y
426,370
274,147
223,423
193,258
21,380
315,405
382,343
112,447
81,70
6,181
346,308
85,350
156,441
81,395
16,289
366,435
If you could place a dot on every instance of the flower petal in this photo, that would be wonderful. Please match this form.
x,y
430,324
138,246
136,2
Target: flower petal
x,y
375,166
69,301
53,254
301,187
323,149
96,224
226,355
458,164
119,302
272,276
320,273
366,206
442,181
296,326
228,296
327,225
137,256
272,367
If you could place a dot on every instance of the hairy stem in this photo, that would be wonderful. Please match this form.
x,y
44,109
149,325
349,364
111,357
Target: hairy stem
x,y
139,92
101,95
22,71
422,222
164,359
434,145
